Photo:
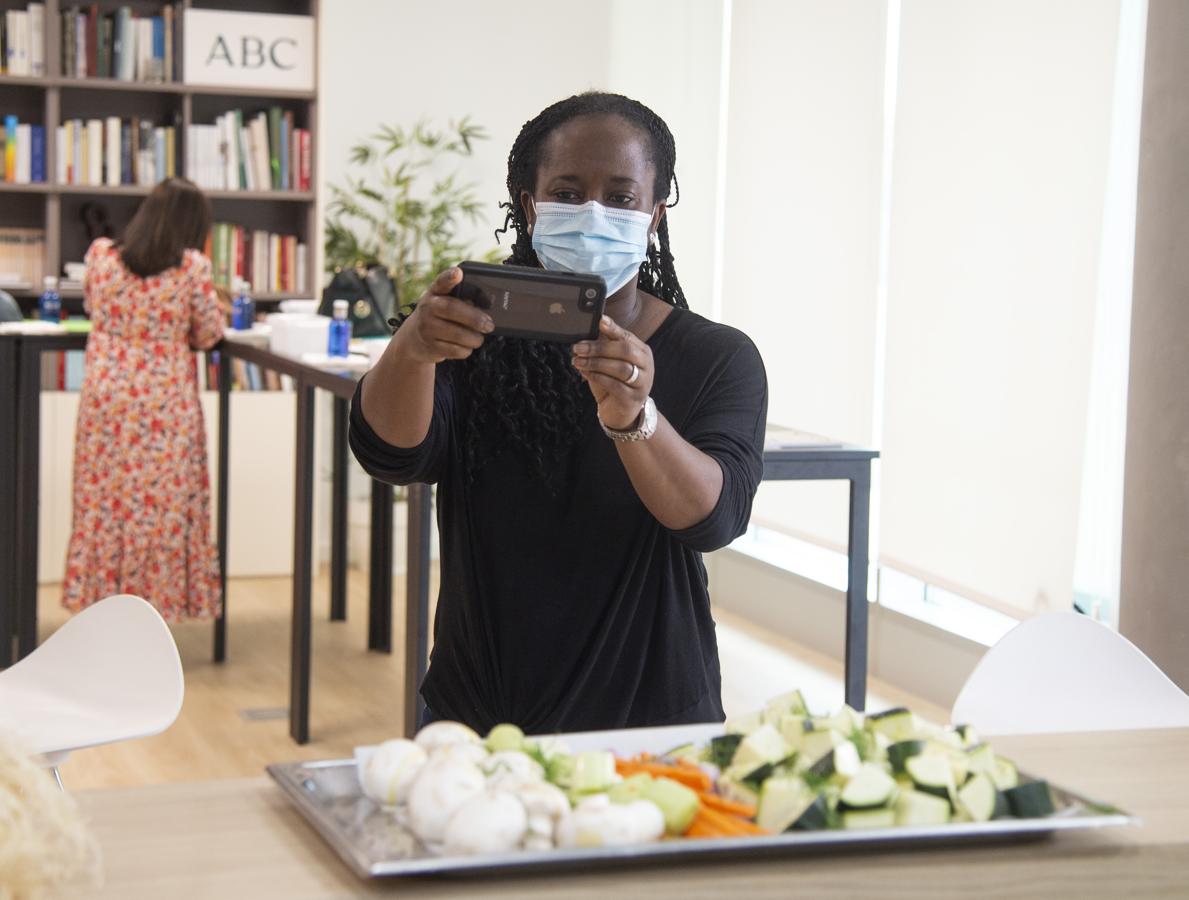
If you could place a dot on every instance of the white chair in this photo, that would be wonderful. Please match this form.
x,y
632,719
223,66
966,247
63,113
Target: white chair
x,y
111,673
1063,671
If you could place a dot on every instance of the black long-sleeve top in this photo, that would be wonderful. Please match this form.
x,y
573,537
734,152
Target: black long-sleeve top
x,y
571,607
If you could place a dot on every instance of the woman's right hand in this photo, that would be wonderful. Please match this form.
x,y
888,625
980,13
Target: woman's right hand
x,y
443,327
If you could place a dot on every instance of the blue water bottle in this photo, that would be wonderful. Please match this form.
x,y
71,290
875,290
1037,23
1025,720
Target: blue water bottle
x,y
49,307
243,308
339,343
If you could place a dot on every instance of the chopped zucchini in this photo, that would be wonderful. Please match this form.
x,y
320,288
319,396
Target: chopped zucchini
x,y
882,817
932,774
968,734
899,753
898,724
816,744
982,760
870,787
722,749
733,788
764,745
1005,775
505,737
689,752
845,720
791,703
815,817
840,760
744,724
1031,800
783,801
917,808
793,728
979,799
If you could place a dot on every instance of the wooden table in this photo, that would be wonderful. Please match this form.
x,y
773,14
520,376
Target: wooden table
x,y
229,839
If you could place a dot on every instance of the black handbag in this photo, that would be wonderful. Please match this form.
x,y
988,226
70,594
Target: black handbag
x,y
371,299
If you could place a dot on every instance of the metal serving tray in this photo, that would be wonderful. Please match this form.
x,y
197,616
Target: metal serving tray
x,y
373,843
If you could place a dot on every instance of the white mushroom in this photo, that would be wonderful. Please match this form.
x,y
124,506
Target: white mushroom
x,y
491,822
467,752
546,805
513,767
441,788
597,822
390,770
438,734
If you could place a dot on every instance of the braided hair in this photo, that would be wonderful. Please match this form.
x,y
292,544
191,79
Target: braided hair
x,y
526,394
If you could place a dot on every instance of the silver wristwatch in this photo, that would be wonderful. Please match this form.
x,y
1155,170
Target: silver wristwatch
x,y
644,428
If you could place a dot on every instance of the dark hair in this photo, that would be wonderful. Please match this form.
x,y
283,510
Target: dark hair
x,y
526,394
175,217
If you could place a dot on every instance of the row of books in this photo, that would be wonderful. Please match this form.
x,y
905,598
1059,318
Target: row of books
x,y
115,151
121,45
22,41
22,258
270,263
63,371
261,153
245,376
22,152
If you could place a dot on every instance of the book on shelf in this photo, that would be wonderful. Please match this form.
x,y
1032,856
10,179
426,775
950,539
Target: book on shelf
x,y
263,152
22,151
22,41
22,258
114,152
270,263
123,44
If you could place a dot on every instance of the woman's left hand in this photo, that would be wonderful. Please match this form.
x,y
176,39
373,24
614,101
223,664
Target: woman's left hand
x,y
619,369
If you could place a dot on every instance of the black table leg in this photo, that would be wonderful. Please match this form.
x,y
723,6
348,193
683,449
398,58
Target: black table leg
x,y
28,485
379,609
338,521
303,537
856,589
222,476
9,347
417,602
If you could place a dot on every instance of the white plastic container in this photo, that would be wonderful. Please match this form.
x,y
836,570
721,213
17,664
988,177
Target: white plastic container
x,y
296,333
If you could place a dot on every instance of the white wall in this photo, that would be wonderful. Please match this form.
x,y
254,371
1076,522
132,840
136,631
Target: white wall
x,y
398,62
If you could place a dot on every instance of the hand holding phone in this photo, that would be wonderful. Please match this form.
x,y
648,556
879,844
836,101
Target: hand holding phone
x,y
443,327
534,304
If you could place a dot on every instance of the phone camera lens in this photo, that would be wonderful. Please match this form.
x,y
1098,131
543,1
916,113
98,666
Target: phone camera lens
x,y
591,293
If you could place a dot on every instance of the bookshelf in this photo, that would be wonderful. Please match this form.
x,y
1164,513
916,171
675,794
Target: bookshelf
x,y
55,98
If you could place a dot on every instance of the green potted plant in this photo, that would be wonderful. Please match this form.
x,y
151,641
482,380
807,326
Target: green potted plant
x,y
403,205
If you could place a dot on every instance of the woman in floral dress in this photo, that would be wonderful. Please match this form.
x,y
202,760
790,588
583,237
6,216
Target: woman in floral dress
x,y
141,487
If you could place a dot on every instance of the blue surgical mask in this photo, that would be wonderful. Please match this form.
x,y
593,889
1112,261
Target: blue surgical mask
x,y
592,239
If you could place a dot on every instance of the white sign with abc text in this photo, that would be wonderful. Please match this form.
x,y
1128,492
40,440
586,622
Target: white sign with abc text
x,y
256,50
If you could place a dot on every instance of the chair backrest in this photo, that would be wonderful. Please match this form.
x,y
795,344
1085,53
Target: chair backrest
x,y
9,310
111,673
1063,671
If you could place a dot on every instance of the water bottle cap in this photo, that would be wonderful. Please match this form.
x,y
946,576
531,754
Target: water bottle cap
x,y
340,308
50,281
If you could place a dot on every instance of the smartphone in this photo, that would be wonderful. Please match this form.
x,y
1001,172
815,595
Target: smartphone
x,y
524,302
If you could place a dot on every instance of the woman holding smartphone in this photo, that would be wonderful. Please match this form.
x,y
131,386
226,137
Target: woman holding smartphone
x,y
578,484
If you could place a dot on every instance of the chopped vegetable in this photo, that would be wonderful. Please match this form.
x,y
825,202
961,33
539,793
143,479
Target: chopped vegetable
x,y
594,771
722,749
505,737
677,803
870,786
1030,800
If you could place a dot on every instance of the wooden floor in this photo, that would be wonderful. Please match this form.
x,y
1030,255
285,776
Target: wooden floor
x,y
234,718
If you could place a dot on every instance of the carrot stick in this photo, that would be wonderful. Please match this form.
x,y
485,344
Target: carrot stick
x,y
690,776
729,823
722,804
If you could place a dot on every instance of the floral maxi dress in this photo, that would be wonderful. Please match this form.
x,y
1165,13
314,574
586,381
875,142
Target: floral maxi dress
x,y
141,486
